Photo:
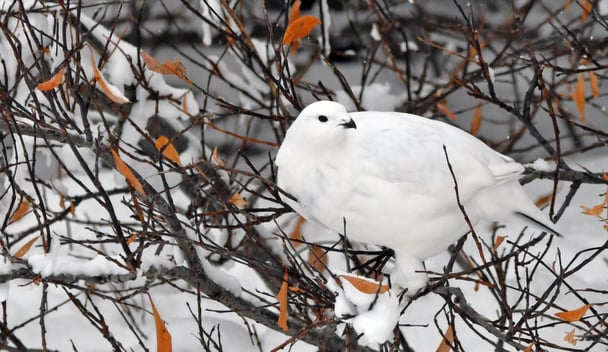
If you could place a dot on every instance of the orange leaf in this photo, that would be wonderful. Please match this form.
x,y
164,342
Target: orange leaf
x,y
294,12
579,96
595,87
163,337
168,150
542,200
53,82
476,122
573,315
365,286
72,209
237,200
317,258
448,341
529,348
299,29
282,298
499,241
587,9
296,233
175,68
112,92
444,109
126,172
25,248
570,338
217,159
594,211
567,5
22,210
132,238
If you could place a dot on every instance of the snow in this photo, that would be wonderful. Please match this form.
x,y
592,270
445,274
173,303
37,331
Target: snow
x,y
542,165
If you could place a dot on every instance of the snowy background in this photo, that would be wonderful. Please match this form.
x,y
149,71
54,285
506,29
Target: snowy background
x,y
109,244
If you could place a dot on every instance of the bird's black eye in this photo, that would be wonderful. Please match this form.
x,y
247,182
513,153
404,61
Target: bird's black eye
x,y
322,118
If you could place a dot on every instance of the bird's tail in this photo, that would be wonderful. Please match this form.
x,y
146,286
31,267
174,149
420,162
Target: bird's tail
x,y
540,224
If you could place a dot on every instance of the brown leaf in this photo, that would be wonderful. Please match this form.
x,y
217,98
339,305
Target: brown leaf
x,y
593,211
109,90
164,144
448,340
530,346
570,338
175,68
299,29
126,172
163,337
22,210
132,238
317,258
25,248
53,82
217,159
283,304
444,109
294,12
567,5
476,122
296,233
595,87
365,285
499,241
587,9
573,315
237,200
579,96
542,200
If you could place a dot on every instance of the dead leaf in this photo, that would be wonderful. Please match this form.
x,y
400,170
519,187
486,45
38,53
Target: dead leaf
x,y
593,211
529,348
175,67
499,241
448,340
299,29
296,233
567,5
283,304
542,200
52,82
444,109
317,258
365,285
294,11
132,238
164,144
163,337
217,159
574,315
570,338
237,200
127,173
25,248
111,91
595,87
22,210
587,9
579,96
476,122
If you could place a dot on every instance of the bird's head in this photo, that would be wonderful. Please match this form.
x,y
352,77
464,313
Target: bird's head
x,y
322,122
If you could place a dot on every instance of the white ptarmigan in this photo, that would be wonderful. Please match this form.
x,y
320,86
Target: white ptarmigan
x,y
383,178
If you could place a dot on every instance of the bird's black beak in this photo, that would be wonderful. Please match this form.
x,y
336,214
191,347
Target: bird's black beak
x,y
349,124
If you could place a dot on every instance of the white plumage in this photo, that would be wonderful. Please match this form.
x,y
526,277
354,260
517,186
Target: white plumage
x,y
384,177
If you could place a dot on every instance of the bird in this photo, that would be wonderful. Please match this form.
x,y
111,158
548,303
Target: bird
x,y
397,180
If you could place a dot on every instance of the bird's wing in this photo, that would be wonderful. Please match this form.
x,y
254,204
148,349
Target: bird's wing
x,y
409,150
